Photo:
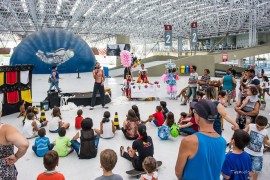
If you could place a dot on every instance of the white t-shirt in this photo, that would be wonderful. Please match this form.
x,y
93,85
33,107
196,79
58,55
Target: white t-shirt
x,y
266,85
28,131
255,147
107,130
54,123
147,177
193,76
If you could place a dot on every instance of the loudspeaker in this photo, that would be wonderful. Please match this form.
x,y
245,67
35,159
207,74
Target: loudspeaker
x,y
54,99
44,105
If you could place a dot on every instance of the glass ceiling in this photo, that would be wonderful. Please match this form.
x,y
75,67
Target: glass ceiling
x,y
95,20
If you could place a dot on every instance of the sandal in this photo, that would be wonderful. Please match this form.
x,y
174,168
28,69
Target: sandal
x,y
122,150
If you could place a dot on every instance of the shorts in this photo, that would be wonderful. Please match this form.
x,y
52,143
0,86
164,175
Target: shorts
x,y
55,131
266,90
228,92
257,162
155,122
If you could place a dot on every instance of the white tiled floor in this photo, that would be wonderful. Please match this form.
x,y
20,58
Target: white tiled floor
x,y
73,168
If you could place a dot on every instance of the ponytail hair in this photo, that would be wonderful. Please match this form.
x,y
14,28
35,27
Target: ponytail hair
x,y
142,132
144,136
106,117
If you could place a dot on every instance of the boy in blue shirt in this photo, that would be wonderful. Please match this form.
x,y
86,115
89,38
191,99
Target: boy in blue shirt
x,y
42,143
237,164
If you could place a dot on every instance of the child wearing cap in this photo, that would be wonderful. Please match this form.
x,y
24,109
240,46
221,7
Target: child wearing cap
x,y
157,117
258,136
206,147
237,164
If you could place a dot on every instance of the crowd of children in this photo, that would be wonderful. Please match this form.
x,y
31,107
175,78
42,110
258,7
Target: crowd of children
x,y
244,161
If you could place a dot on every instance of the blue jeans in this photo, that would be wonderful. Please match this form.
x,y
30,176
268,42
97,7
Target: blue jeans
x,y
76,145
54,83
192,91
188,130
34,148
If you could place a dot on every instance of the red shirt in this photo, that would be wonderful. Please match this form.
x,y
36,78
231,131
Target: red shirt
x,y
159,118
78,121
195,126
51,176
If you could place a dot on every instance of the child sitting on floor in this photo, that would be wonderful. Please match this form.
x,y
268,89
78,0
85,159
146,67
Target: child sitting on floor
x,y
136,110
42,143
107,128
56,122
78,119
22,109
30,127
165,110
62,144
169,119
157,117
149,166
50,161
183,119
108,160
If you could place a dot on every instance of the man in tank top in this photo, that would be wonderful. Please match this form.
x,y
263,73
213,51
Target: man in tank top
x,y
204,151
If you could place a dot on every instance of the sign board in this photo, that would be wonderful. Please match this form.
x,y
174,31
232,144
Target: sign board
x,y
194,37
168,35
224,57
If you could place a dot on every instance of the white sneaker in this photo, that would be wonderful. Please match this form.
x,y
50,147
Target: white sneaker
x,y
269,114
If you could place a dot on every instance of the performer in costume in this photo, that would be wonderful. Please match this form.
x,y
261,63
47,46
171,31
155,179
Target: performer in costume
x,y
143,77
170,78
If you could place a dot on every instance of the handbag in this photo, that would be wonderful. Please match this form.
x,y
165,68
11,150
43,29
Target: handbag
x,y
49,80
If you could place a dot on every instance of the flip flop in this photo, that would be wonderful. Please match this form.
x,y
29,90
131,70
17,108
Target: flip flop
x,y
122,150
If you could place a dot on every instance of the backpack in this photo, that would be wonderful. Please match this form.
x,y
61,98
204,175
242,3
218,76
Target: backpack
x,y
87,149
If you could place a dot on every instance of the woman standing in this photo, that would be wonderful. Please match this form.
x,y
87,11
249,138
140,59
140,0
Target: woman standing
x,y
10,137
228,81
99,77
54,79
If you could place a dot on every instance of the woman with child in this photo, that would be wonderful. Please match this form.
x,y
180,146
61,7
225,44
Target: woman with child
x,y
143,145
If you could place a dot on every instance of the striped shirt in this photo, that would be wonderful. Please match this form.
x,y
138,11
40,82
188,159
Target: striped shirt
x,y
205,79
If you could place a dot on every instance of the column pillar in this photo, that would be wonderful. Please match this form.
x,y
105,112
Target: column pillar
x,y
121,39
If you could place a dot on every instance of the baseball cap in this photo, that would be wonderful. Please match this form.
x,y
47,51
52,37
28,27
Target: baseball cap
x,y
206,109
141,129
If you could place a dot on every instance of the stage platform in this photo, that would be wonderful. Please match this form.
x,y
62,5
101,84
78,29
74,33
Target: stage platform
x,y
78,98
